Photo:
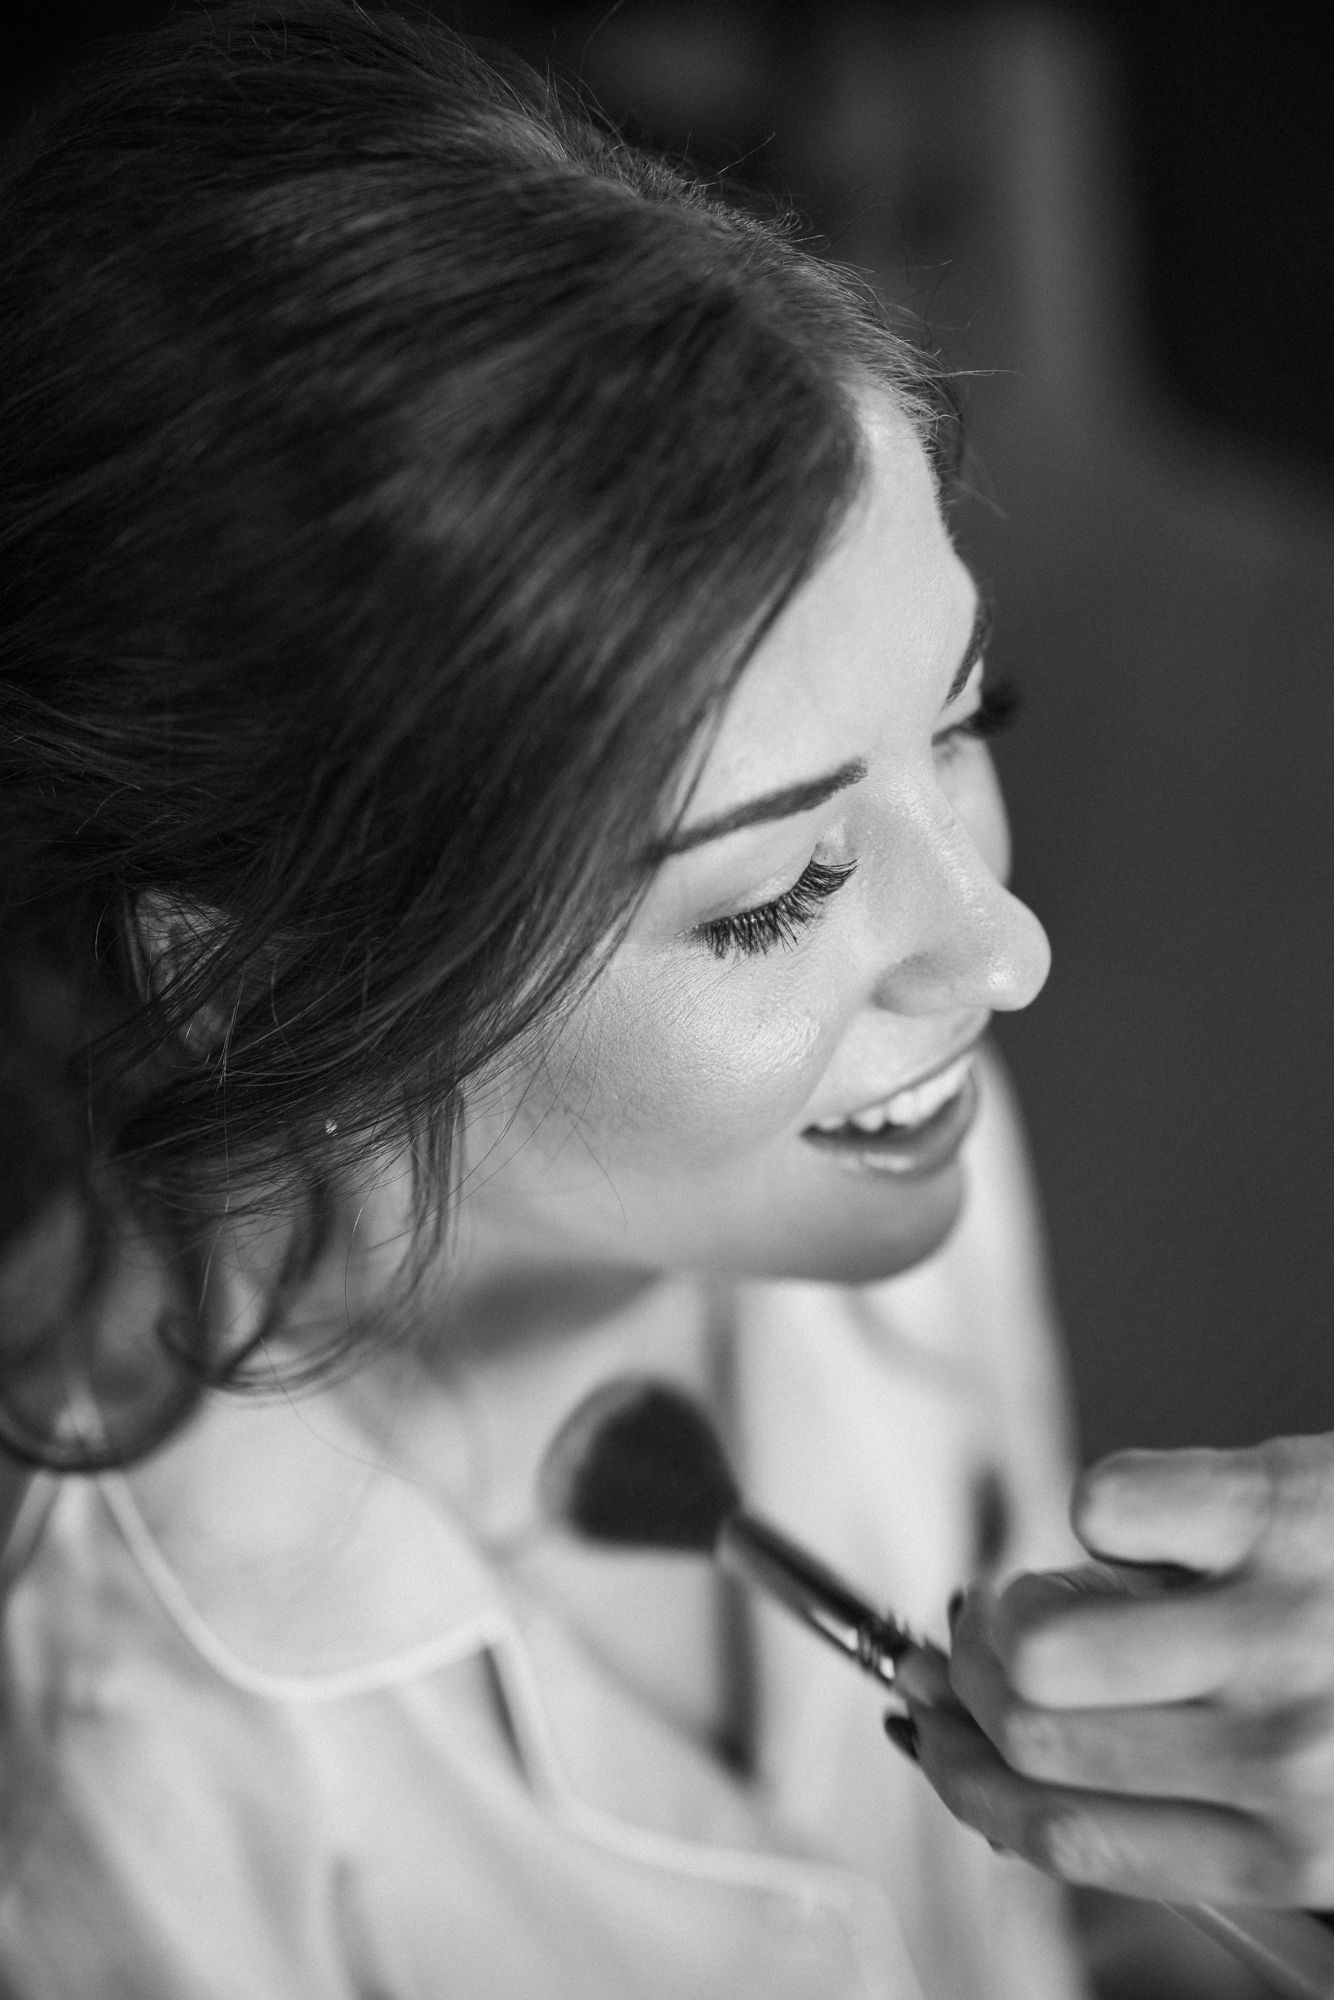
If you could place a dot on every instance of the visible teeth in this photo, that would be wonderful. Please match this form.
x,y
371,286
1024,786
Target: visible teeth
x,y
907,1107
910,1107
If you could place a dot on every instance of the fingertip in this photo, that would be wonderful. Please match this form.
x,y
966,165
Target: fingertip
x,y
1197,1509
975,1646
922,1676
1107,1498
973,1615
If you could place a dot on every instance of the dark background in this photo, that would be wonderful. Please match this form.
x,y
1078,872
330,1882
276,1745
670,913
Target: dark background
x,y
1116,223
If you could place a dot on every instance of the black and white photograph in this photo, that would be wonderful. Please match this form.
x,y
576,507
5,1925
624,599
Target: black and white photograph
x,y
666,1000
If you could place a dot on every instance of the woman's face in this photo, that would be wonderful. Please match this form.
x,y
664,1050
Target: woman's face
x,y
770,1075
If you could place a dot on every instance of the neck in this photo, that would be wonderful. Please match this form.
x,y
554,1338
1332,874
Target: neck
x,y
511,1307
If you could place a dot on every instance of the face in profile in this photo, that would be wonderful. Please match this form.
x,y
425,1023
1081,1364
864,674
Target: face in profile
x,y
771,1075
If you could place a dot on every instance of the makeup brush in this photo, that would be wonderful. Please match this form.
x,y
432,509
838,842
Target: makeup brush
x,y
638,1465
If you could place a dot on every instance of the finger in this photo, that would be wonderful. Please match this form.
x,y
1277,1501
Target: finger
x,y
979,1678
923,1675
1202,1510
1280,1765
1061,1650
1196,1750
1137,1847
987,1630
1260,1643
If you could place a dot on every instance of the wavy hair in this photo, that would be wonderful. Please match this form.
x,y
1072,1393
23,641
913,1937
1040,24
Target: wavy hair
x,y
398,470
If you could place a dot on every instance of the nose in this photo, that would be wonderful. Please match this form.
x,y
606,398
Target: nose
x,y
970,942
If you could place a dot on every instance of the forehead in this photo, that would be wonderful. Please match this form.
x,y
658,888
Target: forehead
x,y
858,655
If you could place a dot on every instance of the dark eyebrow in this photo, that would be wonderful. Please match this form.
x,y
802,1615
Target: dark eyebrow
x,y
804,798
984,624
772,805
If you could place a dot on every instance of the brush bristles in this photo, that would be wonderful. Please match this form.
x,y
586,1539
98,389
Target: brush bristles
x,y
638,1464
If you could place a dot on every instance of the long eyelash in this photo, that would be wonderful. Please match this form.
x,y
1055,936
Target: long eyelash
x,y
1000,707
779,922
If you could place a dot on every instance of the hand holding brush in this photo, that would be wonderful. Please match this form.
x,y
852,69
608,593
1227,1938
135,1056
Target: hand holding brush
x,y
638,1464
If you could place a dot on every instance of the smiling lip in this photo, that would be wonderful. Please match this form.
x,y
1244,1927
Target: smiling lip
x,y
907,1152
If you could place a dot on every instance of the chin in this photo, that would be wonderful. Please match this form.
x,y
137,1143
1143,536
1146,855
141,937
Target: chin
x,y
874,1231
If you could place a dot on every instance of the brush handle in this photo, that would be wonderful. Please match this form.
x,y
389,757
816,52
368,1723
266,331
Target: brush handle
x,y
762,1555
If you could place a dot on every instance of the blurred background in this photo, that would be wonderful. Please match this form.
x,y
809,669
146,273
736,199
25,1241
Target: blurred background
x,y
1115,225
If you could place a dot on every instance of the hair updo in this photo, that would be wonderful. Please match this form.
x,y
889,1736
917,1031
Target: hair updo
x,y
397,472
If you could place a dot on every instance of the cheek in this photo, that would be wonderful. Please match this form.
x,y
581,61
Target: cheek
x,y
696,1068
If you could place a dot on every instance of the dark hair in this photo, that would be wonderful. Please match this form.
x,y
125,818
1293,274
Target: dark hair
x,y
398,471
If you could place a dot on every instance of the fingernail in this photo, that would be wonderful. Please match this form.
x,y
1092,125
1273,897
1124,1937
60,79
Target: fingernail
x,y
902,1733
953,1608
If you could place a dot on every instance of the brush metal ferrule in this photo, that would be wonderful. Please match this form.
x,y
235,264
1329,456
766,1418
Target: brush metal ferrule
x,y
763,1555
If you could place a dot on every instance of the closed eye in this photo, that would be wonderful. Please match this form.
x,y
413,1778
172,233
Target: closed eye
x,y
999,708
780,922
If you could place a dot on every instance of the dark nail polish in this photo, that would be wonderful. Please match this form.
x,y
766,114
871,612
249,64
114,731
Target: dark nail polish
x,y
954,1607
903,1735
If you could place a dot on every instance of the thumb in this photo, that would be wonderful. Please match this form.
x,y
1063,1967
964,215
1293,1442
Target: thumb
x,y
1199,1510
